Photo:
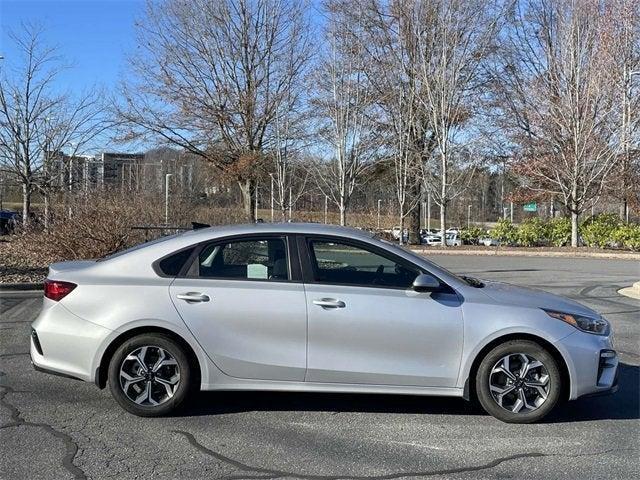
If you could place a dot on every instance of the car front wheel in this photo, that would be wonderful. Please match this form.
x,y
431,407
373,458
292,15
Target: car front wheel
x,y
149,375
519,382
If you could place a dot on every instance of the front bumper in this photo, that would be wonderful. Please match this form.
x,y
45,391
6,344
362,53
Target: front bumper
x,y
610,391
592,364
64,344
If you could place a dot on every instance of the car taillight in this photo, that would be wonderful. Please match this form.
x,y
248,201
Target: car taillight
x,y
57,290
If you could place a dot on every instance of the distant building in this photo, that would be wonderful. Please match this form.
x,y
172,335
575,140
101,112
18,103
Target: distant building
x,y
124,170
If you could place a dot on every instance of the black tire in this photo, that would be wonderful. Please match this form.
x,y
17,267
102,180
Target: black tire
x,y
168,403
534,351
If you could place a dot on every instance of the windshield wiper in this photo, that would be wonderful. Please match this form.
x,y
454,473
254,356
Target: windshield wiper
x,y
474,282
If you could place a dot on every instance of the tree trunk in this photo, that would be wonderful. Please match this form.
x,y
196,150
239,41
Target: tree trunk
x,y
443,227
443,199
574,228
47,211
413,219
26,203
247,189
343,214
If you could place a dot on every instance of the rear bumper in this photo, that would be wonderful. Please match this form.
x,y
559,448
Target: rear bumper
x,y
65,344
53,372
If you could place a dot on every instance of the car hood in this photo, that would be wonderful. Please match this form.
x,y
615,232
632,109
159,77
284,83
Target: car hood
x,y
529,297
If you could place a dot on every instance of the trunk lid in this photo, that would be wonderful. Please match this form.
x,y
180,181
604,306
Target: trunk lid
x,y
62,268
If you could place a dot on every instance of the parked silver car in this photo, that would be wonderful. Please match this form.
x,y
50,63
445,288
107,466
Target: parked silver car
x,y
304,307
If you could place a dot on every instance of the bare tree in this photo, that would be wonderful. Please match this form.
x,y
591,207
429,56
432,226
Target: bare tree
x,y
622,33
554,89
455,38
288,176
211,77
390,42
37,121
343,101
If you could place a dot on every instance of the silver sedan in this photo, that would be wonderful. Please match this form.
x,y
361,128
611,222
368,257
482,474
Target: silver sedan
x,y
306,307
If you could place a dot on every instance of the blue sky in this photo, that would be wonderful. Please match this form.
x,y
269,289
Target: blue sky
x,y
94,36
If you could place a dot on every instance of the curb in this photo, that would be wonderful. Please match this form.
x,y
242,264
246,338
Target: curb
x,y
13,287
632,292
515,253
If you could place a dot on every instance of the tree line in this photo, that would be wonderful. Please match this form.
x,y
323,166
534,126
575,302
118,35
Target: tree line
x,y
426,94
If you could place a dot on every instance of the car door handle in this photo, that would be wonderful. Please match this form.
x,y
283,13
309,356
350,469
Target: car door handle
x,y
193,297
329,303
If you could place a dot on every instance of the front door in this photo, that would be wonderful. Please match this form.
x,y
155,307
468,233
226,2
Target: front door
x,y
240,302
367,326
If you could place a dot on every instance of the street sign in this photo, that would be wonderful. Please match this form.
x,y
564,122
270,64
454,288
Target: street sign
x,y
530,207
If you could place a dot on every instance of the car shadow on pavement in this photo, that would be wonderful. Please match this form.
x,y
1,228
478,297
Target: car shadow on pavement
x,y
624,404
214,403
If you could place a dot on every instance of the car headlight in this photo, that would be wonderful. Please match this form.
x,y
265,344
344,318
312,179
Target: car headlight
x,y
597,326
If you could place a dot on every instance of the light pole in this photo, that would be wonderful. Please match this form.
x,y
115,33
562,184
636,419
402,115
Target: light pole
x,y
468,216
379,201
166,197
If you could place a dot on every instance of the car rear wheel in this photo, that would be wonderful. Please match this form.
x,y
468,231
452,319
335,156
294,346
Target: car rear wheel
x,y
149,375
519,382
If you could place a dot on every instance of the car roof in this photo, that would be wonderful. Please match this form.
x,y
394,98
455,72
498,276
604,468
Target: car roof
x,y
284,227
147,253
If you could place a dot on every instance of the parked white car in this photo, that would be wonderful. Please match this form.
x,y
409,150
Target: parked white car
x,y
489,242
430,239
452,239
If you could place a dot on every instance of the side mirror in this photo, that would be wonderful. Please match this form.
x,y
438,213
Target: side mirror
x,y
426,283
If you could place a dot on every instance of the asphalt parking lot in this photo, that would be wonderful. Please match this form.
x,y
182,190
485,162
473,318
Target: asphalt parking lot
x,y
57,428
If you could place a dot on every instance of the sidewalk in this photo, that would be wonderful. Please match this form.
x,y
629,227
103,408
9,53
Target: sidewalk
x,y
581,252
632,292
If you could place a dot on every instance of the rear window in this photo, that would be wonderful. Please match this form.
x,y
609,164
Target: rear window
x,y
139,246
172,264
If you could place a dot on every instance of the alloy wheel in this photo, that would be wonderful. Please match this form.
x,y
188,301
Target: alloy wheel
x,y
149,375
519,383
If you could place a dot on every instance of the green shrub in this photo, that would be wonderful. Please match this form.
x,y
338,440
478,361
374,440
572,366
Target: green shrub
x,y
559,231
472,235
627,235
532,232
598,231
505,231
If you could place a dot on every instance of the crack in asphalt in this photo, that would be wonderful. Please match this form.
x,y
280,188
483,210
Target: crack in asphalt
x,y
17,354
268,473
17,420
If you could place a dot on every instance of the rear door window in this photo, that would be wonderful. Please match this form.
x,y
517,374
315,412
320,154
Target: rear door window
x,y
255,259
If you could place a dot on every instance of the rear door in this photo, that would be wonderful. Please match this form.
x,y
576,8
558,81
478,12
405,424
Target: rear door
x,y
368,326
243,300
